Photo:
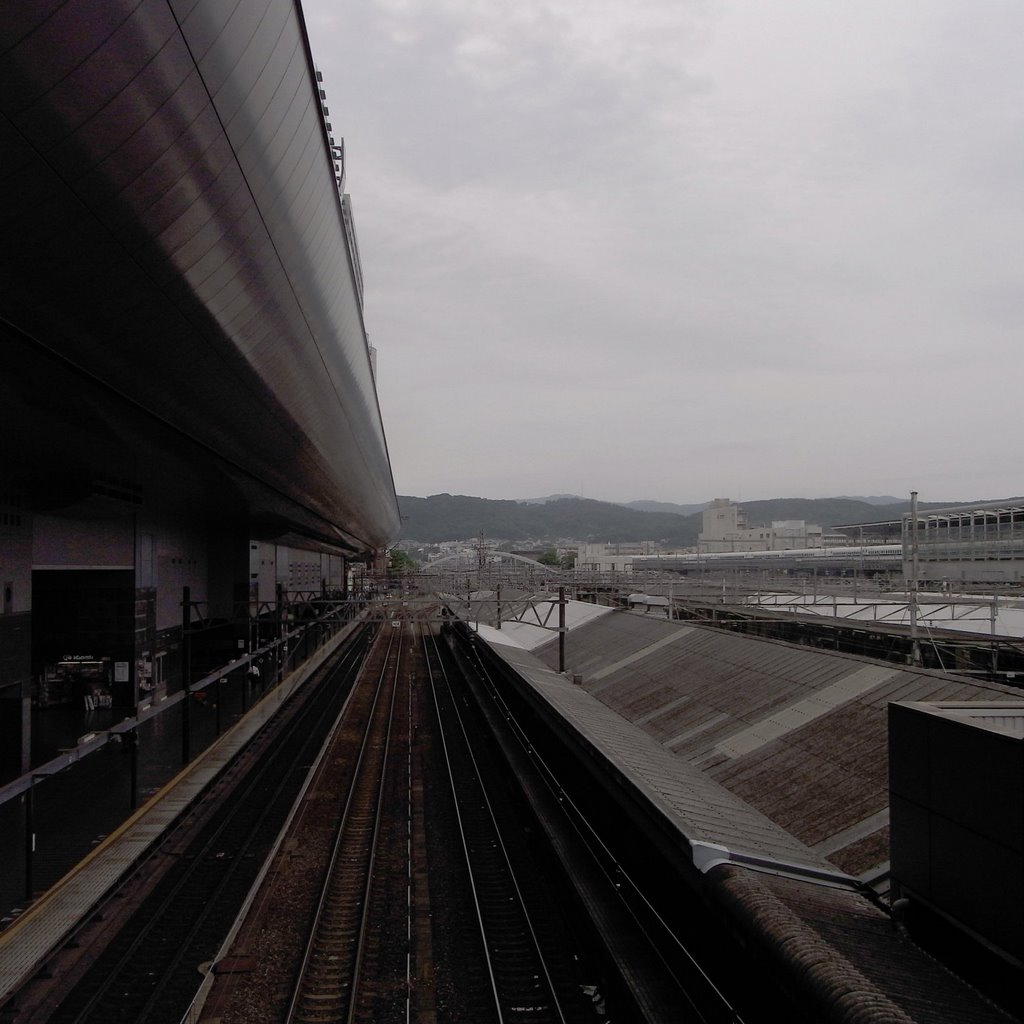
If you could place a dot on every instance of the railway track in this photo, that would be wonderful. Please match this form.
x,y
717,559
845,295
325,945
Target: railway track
x,y
148,972
474,942
684,946
345,964
517,974
409,887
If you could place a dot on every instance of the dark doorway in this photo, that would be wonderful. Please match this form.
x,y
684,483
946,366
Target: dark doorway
x,y
83,637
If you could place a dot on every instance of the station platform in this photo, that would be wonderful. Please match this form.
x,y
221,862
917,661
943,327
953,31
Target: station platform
x,y
27,937
82,794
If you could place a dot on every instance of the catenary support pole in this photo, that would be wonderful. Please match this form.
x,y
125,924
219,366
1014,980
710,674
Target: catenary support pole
x,y
217,696
30,837
561,629
186,674
279,646
915,642
132,739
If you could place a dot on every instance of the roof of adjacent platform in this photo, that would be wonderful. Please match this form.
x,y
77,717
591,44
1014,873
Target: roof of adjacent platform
x,y
535,621
773,750
702,809
797,734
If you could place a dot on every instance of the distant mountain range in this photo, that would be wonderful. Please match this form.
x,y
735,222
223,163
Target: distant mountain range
x,y
666,506
688,510
445,517
874,499
546,499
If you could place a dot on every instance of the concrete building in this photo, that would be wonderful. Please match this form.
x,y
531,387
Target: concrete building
x,y
613,557
725,529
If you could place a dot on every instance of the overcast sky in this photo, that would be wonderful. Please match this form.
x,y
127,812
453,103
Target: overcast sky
x,y
679,250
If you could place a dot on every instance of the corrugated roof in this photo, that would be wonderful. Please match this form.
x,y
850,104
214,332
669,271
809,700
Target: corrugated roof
x,y
699,807
797,733
1001,718
529,622
767,748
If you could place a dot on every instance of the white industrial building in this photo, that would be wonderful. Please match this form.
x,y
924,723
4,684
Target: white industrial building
x,y
613,557
725,529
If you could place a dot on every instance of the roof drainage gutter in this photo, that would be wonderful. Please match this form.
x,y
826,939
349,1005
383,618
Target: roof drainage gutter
x,y
709,855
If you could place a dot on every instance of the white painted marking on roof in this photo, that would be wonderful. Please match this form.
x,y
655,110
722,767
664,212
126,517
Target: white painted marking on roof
x,y
703,760
850,835
662,710
498,636
876,874
787,719
709,723
642,653
528,635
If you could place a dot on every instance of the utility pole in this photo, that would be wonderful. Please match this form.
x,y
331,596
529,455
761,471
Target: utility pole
x,y
480,562
993,616
915,643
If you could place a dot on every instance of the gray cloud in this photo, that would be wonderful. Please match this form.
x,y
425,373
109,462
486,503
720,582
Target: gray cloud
x,y
674,250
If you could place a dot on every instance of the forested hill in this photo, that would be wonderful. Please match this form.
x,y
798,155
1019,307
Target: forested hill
x,y
458,517
444,517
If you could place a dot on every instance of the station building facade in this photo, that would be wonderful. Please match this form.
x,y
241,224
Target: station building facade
x,y
188,390
92,614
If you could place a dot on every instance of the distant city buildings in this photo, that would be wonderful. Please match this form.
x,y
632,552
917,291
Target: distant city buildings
x,y
725,529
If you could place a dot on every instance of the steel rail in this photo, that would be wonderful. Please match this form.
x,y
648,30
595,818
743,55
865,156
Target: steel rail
x,y
462,836
303,980
349,661
511,874
257,891
608,863
377,818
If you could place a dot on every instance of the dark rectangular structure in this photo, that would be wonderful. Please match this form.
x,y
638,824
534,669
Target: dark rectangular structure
x,y
956,784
